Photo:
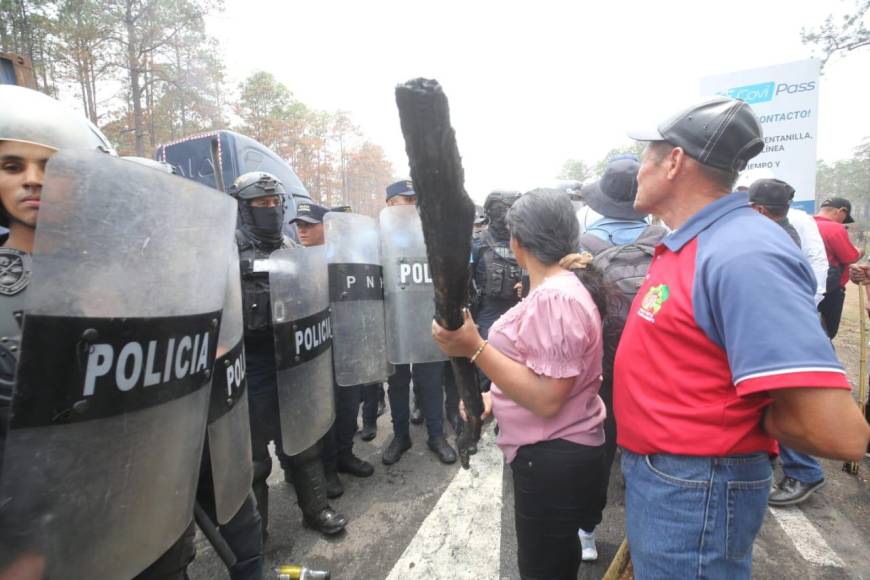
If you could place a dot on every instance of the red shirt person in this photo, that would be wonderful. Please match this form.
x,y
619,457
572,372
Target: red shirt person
x,y
833,213
704,382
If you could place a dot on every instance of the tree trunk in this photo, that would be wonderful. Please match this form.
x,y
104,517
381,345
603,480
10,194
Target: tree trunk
x,y
133,66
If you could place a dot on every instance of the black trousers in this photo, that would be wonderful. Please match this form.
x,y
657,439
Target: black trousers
x,y
306,467
243,532
427,377
606,394
338,441
372,395
557,490
831,309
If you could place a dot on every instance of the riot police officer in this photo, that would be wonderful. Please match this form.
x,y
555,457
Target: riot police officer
x,y
427,379
28,138
243,531
495,272
338,456
259,233
33,127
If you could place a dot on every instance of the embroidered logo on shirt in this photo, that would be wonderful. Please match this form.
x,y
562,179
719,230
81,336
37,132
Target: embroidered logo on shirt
x,y
652,302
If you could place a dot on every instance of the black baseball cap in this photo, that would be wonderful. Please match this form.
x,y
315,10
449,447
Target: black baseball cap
x,y
772,192
720,132
613,195
840,203
309,212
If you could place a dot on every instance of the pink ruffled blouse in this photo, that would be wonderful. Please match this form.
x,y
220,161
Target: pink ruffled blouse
x,y
556,332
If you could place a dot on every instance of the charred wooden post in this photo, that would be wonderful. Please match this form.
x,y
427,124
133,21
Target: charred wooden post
x,y
447,214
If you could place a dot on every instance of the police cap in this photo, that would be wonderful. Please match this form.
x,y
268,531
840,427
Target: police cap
x,y
405,188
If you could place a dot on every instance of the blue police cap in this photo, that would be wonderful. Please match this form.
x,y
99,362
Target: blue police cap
x,y
403,187
310,213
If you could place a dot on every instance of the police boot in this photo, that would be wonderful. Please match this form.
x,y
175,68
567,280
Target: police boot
x,y
350,463
398,445
442,449
310,483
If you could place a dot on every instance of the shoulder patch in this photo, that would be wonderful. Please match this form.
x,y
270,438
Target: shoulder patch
x,y
15,272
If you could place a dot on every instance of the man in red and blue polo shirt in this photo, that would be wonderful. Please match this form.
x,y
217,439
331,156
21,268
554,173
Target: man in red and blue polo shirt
x,y
722,354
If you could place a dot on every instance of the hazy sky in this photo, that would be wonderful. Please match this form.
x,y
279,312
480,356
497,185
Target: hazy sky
x,y
532,84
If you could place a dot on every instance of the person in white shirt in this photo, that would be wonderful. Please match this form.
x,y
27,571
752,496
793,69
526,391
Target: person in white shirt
x,y
812,247
811,240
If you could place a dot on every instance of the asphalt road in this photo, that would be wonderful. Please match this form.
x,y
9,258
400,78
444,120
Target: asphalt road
x,y
421,519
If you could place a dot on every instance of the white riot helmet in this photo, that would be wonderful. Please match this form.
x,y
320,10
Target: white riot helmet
x,y
33,117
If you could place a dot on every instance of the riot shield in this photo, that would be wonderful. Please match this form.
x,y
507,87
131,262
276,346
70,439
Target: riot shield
x,y
356,294
118,343
409,296
299,285
229,429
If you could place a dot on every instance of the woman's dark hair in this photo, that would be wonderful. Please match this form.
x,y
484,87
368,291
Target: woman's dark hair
x,y
544,222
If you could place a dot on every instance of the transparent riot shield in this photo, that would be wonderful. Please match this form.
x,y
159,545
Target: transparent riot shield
x,y
409,296
299,286
356,293
118,343
229,429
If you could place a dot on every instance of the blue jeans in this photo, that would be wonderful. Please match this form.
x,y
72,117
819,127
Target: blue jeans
x,y
800,466
694,517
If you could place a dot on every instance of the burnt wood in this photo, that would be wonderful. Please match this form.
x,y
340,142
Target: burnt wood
x,y
447,214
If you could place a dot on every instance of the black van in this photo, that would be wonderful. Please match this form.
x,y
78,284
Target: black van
x,y
193,158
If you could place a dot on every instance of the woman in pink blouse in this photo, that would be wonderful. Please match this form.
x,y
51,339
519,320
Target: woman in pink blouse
x,y
544,359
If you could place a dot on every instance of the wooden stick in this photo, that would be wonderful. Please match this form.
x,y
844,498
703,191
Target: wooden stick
x,y
620,567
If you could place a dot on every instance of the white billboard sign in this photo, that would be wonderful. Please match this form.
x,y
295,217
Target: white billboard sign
x,y
786,100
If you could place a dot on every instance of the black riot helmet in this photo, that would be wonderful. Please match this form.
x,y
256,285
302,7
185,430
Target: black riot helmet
x,y
262,223
495,207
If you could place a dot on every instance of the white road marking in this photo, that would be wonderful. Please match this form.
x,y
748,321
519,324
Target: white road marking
x,y
461,536
806,538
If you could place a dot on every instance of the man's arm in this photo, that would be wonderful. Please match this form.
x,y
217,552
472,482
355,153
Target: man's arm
x,y
822,422
843,249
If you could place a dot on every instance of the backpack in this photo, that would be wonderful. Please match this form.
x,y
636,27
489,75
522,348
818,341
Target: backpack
x,y
624,266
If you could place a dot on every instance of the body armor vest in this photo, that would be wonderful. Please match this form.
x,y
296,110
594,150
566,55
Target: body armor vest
x,y
500,271
256,301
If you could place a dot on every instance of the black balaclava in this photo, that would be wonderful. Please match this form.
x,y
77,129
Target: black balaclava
x,y
264,224
497,215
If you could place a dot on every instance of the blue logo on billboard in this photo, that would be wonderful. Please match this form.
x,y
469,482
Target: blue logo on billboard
x,y
765,92
751,94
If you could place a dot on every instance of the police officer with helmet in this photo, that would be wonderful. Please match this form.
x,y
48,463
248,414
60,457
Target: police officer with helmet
x,y
259,233
33,129
495,272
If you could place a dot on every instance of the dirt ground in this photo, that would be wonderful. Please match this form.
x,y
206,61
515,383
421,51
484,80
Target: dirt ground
x,y
848,346
847,341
